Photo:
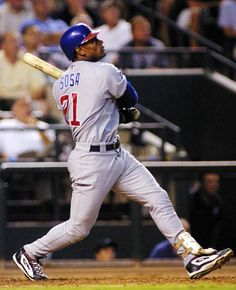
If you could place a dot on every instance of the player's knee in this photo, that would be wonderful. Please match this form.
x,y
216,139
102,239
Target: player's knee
x,y
77,232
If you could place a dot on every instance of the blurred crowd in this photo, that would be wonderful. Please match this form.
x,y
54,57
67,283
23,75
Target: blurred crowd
x,y
36,26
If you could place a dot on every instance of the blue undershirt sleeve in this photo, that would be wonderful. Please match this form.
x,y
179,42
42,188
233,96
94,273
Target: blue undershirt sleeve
x,y
129,98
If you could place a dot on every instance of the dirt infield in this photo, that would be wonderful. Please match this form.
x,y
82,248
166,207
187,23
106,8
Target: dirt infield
x,y
134,275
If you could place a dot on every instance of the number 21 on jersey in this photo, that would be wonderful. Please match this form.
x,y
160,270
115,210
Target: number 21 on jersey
x,y
69,107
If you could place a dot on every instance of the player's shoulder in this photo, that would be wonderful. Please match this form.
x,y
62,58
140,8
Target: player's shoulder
x,y
108,67
98,67
98,64
87,68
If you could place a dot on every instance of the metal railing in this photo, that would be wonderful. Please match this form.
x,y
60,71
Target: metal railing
x,y
160,124
166,124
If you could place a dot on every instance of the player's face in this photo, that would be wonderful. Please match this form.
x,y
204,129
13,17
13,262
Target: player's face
x,y
94,49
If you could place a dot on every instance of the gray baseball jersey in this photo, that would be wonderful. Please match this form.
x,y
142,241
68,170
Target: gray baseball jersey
x,y
86,94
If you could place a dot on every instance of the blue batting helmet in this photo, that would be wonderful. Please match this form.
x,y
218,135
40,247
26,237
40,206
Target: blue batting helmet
x,y
74,37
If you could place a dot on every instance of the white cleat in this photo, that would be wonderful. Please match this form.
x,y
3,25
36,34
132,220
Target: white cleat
x,y
30,267
202,265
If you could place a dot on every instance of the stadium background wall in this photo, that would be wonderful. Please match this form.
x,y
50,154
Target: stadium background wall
x,y
201,107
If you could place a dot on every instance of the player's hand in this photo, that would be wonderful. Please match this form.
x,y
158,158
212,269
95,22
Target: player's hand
x,y
128,115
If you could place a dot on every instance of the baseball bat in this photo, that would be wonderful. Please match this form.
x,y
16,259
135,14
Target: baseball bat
x,y
42,65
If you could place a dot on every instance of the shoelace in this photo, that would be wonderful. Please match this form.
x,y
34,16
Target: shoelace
x,y
37,266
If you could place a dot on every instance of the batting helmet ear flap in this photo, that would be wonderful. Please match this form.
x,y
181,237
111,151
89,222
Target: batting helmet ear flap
x,y
74,37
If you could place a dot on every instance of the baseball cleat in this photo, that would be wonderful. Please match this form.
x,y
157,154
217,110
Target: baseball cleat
x,y
30,267
202,265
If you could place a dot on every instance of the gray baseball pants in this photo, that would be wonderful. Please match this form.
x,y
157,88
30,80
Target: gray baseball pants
x,y
93,175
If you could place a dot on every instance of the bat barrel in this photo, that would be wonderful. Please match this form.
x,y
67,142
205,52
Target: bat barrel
x,y
42,65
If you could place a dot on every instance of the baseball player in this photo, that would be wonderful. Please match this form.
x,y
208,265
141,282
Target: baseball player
x,y
91,95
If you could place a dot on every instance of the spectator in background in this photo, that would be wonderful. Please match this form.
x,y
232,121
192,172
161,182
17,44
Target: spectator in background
x,y
27,143
18,79
80,14
31,37
164,7
172,9
142,38
205,211
13,13
116,32
164,249
227,21
51,29
191,17
77,10
106,250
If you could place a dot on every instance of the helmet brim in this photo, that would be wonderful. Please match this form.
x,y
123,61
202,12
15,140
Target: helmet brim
x,y
91,35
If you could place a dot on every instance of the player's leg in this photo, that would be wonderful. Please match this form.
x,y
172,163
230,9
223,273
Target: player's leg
x,y
137,183
91,181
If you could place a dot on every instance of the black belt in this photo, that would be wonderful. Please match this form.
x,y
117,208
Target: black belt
x,y
109,147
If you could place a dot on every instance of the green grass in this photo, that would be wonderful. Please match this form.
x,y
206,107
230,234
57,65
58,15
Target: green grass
x,y
172,286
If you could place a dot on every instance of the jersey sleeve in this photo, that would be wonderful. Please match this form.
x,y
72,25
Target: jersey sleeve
x,y
116,82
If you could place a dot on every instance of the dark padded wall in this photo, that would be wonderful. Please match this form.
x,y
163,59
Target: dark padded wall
x,y
203,109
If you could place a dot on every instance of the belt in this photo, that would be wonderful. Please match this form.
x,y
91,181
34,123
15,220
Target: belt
x,y
109,147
